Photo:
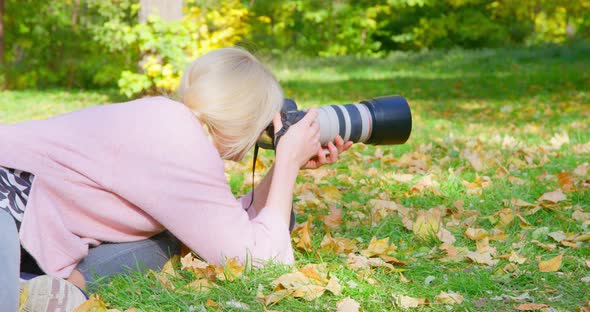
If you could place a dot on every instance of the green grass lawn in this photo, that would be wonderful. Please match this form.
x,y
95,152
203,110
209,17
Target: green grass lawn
x,y
491,127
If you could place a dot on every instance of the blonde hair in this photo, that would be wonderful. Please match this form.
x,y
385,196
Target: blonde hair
x,y
234,96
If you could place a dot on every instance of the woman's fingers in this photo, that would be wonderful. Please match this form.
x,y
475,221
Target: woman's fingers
x,y
310,117
333,152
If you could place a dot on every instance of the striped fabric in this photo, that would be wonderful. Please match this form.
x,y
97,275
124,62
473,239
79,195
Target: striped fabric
x,y
15,186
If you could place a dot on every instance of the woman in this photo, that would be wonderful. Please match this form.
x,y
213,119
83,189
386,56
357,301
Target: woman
x,y
126,172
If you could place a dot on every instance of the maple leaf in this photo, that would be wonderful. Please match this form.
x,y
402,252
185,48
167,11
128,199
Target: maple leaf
x,y
347,305
449,298
200,285
378,247
553,197
301,236
551,265
333,286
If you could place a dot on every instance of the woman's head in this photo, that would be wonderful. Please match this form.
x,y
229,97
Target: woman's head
x,y
234,96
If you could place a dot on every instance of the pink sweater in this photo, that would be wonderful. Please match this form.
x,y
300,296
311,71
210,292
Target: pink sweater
x,y
125,172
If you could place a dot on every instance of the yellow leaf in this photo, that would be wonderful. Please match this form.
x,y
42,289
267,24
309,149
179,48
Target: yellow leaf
x,y
551,265
426,225
378,247
476,233
337,245
309,292
277,296
553,197
347,305
211,303
566,181
506,217
357,262
301,236
233,269
330,193
449,298
92,305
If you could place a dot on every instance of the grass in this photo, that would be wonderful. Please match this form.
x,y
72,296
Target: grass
x,y
511,108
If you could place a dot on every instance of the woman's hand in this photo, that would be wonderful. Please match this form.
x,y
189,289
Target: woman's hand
x,y
301,142
334,150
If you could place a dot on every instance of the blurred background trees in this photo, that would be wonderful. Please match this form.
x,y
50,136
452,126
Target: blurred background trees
x,y
114,43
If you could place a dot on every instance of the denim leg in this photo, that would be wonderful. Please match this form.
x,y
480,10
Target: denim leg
x,y
110,259
9,263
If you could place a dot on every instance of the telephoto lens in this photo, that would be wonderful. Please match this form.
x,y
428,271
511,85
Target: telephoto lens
x,y
383,120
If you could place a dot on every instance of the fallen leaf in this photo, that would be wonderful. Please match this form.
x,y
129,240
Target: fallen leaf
x,y
200,285
532,307
566,181
333,286
347,305
378,247
210,303
334,219
476,233
581,170
301,236
445,236
553,197
551,265
449,298
93,304
557,236
357,262
481,258
338,245
330,193
474,159
425,183
406,302
427,223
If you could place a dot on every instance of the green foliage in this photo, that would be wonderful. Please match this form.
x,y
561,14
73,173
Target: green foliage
x,y
93,43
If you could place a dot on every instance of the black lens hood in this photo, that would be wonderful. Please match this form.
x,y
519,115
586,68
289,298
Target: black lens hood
x,y
392,120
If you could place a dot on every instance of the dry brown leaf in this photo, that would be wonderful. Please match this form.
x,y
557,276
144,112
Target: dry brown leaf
x,y
566,181
532,307
338,245
425,183
210,303
276,296
402,177
476,233
553,197
301,236
514,257
521,203
406,302
481,258
587,264
309,292
551,265
477,185
445,236
334,219
505,217
347,305
474,159
449,298
378,247
357,262
579,215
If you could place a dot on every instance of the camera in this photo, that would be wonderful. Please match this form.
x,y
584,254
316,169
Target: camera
x,y
379,121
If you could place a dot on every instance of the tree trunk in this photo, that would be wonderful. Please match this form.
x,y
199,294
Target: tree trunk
x,y
168,10
2,63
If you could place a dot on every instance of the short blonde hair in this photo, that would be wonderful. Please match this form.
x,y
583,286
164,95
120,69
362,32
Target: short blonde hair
x,y
234,96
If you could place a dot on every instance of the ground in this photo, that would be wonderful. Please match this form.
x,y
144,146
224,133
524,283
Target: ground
x,y
489,200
